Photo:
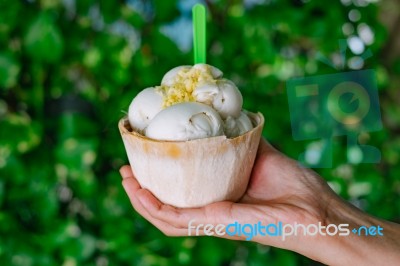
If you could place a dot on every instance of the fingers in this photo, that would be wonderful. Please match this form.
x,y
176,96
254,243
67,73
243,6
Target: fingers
x,y
174,221
133,189
126,171
169,214
189,221
193,220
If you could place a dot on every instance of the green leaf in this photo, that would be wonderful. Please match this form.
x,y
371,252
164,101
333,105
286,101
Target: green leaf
x,y
19,134
9,70
43,40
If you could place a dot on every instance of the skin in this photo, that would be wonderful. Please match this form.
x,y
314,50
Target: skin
x,y
279,190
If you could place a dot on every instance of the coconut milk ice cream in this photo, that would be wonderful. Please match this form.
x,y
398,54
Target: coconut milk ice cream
x,y
188,140
192,102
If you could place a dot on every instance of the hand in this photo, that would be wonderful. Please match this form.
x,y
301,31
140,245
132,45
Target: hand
x,y
279,190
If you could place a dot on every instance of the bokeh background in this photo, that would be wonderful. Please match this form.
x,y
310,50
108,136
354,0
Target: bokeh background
x,y
69,69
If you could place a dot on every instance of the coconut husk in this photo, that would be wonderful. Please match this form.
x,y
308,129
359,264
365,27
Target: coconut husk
x,y
193,173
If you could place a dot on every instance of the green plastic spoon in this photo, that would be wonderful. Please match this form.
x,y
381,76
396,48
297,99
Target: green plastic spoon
x,y
199,33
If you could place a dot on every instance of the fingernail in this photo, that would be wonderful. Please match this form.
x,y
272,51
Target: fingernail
x,y
125,172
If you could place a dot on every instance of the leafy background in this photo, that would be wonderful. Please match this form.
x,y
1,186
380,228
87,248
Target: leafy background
x,y
68,70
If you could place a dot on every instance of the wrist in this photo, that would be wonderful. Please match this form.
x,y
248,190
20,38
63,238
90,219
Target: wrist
x,y
349,248
372,240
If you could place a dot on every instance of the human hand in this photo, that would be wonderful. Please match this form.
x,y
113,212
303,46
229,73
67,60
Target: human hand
x,y
279,190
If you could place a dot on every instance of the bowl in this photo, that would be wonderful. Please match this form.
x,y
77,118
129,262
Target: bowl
x,y
193,173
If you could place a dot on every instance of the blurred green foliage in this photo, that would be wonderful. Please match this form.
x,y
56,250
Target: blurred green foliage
x,y
68,71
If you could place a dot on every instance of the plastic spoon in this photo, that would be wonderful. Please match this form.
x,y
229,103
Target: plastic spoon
x,y
199,33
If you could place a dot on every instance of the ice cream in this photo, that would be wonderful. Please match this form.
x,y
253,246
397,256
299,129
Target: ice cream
x,y
237,126
144,108
192,102
189,141
185,121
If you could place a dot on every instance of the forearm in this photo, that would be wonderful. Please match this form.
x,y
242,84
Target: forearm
x,y
362,247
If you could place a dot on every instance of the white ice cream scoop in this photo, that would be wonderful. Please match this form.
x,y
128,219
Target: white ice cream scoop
x,y
234,127
215,72
222,95
185,121
144,107
169,77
